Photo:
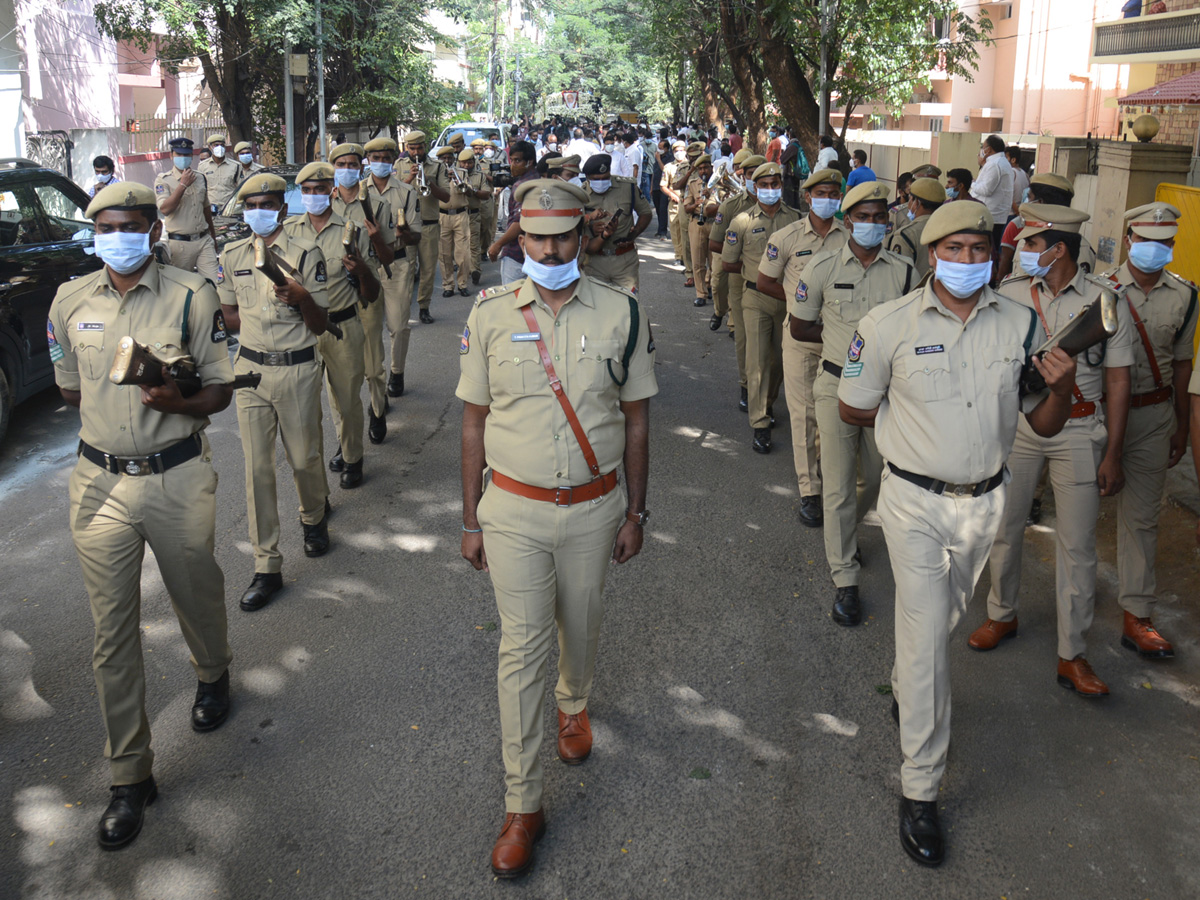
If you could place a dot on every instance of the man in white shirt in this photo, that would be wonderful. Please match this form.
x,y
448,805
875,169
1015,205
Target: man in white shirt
x,y
633,157
580,147
1020,178
826,156
994,186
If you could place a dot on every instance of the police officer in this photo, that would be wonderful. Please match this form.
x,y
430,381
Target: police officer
x,y
182,197
1163,309
279,328
838,289
683,174
552,519
746,243
477,193
720,278
245,155
1085,458
351,281
221,173
675,198
385,234
944,430
925,195
788,254
144,476
454,227
485,159
436,191
611,243
695,201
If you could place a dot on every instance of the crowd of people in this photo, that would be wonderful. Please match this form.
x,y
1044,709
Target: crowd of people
x,y
910,333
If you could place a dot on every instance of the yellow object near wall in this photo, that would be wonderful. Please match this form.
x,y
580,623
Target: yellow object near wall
x,y
1186,261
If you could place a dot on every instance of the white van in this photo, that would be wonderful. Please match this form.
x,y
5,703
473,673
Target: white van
x,y
496,132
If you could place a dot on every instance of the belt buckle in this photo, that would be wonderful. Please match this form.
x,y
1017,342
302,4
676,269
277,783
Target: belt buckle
x,y
274,358
139,466
559,493
959,490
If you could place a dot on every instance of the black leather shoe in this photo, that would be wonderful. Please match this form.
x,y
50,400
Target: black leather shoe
x,y
395,385
426,318
122,820
328,509
921,832
762,440
744,402
263,587
475,277
715,322
699,301
212,704
1035,513
336,462
463,292
316,538
352,477
448,293
376,428
846,608
895,710
811,513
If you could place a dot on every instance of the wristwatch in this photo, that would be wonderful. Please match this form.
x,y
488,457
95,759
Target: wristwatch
x,y
639,518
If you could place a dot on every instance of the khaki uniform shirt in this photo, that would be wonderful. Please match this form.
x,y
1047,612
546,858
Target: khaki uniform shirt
x,y
458,199
623,195
87,320
946,389
837,290
400,197
223,179
1118,349
695,187
267,324
729,210
474,180
188,217
791,249
527,436
748,234
906,240
1169,315
247,172
435,174
343,292
670,171
383,216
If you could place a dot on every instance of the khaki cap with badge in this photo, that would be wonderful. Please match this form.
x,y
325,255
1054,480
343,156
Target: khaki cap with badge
x,y
457,138
860,193
480,142
466,155
242,145
570,164
766,170
261,183
348,149
1156,221
695,148
1050,179
315,171
927,171
703,159
414,137
741,156
549,206
678,145
1041,217
216,139
928,189
445,150
957,218
123,195
384,144
753,161
823,176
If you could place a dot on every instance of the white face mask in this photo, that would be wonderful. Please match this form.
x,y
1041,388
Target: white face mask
x,y
218,152
680,155
488,154
552,278
123,252
600,185
314,203
1031,263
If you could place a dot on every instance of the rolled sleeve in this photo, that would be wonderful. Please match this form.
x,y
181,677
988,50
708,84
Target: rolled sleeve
x,y
66,366
868,370
473,384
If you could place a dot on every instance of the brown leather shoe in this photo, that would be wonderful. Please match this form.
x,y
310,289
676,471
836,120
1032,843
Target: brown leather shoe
x,y
1077,675
988,635
513,853
1142,636
574,737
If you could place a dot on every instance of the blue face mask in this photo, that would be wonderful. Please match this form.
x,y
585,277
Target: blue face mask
x,y
381,169
911,215
770,196
347,178
825,207
123,252
315,203
869,234
951,193
1031,263
552,278
1150,256
963,279
751,189
262,221
600,186
245,158
182,162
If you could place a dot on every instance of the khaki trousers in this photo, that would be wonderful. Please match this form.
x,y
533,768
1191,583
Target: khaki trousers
x,y
1074,455
720,285
737,324
487,225
763,317
700,255
1147,449
548,566
396,300
427,251
200,255
800,365
455,243
372,322
287,402
677,220
938,546
475,223
619,270
843,447
113,517
344,372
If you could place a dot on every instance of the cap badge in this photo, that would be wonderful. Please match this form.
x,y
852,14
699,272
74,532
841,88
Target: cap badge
x,y
982,224
266,186
545,201
130,200
1160,215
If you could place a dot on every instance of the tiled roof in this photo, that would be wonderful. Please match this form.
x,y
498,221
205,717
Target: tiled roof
x,y
1178,90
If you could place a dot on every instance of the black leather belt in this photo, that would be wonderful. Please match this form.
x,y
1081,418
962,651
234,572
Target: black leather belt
x,y
279,357
429,221
154,464
343,314
177,236
753,286
474,212
978,489
831,368
452,212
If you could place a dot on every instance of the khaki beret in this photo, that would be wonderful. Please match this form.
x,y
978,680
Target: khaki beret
x,y
696,147
1156,221
315,171
927,171
347,150
765,170
868,190
823,176
1051,179
445,150
741,156
261,183
703,159
122,195
1041,217
216,139
480,142
457,138
676,145
385,144
956,218
550,206
414,137
753,161
466,154
242,145
928,189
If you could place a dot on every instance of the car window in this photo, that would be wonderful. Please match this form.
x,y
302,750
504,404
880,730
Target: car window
x,y
63,216
19,220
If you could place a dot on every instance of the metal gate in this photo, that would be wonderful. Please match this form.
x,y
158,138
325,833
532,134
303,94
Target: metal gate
x,y
51,149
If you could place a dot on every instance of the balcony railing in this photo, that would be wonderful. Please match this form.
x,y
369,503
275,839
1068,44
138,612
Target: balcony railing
x,y
1167,37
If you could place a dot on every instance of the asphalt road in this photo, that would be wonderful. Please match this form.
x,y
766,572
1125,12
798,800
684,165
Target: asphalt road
x,y
742,747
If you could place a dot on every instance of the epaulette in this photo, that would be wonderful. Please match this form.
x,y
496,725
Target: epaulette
x,y
1190,285
623,179
1016,276
608,285
192,281
236,245
70,288
498,291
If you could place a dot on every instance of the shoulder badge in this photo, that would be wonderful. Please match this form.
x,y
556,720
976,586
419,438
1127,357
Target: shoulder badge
x,y
464,345
731,236
772,252
218,328
321,276
56,350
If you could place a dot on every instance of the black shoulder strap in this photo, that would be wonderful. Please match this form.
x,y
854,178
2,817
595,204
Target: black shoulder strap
x,y
907,279
1033,327
1187,317
185,327
908,241
630,345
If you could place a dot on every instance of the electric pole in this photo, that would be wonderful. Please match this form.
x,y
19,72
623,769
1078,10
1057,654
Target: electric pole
x,y
320,154
492,62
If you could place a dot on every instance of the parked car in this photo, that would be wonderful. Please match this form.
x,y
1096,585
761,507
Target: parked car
x,y
43,239
228,222
496,132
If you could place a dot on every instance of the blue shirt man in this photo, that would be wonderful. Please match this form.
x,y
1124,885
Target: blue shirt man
x,y
861,171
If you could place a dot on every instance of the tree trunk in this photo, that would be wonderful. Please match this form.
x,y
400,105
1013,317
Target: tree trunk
x,y
747,71
793,93
228,80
